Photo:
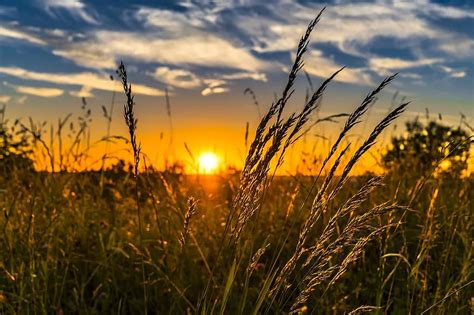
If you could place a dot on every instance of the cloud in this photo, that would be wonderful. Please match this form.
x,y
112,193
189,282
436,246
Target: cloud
x,y
37,91
237,40
458,48
319,65
348,26
187,80
353,28
84,79
103,48
428,8
184,38
22,99
214,82
214,90
75,7
5,98
453,73
171,20
214,86
459,74
177,77
88,56
85,91
197,15
19,34
245,75
385,66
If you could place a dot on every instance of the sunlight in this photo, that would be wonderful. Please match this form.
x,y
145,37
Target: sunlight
x,y
208,163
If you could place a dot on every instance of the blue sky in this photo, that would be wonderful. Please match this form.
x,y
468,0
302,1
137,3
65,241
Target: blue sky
x,y
208,52
208,44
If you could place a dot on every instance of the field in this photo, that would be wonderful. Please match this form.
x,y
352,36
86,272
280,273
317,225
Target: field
x,y
129,239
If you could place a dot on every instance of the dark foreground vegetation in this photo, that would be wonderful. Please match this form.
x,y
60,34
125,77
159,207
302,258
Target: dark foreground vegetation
x,y
130,240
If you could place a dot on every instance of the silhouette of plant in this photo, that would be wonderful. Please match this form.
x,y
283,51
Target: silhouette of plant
x,y
424,146
15,146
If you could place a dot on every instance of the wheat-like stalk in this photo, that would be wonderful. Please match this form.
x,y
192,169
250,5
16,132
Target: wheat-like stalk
x,y
364,309
269,141
255,101
190,212
131,121
319,203
129,115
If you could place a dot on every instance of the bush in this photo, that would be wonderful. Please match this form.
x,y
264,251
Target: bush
x,y
425,146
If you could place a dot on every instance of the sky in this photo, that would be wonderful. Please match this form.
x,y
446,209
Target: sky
x,y
206,53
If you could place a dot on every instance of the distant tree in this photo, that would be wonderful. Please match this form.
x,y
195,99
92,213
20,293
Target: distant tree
x,y
15,147
424,146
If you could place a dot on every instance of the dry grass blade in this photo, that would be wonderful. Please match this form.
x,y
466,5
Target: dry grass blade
x,y
267,143
312,104
364,309
350,205
354,117
254,99
190,212
129,115
394,114
168,112
256,258
131,121
316,211
320,203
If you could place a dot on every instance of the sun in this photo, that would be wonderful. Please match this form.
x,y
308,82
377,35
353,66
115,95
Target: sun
x,y
208,163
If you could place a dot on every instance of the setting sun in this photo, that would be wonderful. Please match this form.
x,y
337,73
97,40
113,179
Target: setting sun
x,y
208,163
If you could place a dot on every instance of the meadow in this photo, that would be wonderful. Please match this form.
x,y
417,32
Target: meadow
x,y
130,239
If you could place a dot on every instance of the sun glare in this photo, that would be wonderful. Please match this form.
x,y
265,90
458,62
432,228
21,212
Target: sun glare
x,y
208,163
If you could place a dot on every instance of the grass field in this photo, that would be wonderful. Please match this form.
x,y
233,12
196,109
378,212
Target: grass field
x,y
134,240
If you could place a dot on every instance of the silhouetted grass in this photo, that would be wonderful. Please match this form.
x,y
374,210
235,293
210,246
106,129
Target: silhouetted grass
x,y
98,242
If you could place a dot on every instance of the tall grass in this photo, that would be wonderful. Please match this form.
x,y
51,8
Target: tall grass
x,y
258,244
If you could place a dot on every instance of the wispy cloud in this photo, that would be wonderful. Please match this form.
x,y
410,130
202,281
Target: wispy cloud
x,y
458,48
237,40
386,66
85,91
5,98
214,86
319,65
37,91
425,7
102,50
353,28
453,72
168,20
21,100
75,7
185,79
348,26
245,75
85,79
177,77
11,32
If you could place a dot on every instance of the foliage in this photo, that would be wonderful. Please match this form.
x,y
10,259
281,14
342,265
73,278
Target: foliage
x,y
15,146
424,146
